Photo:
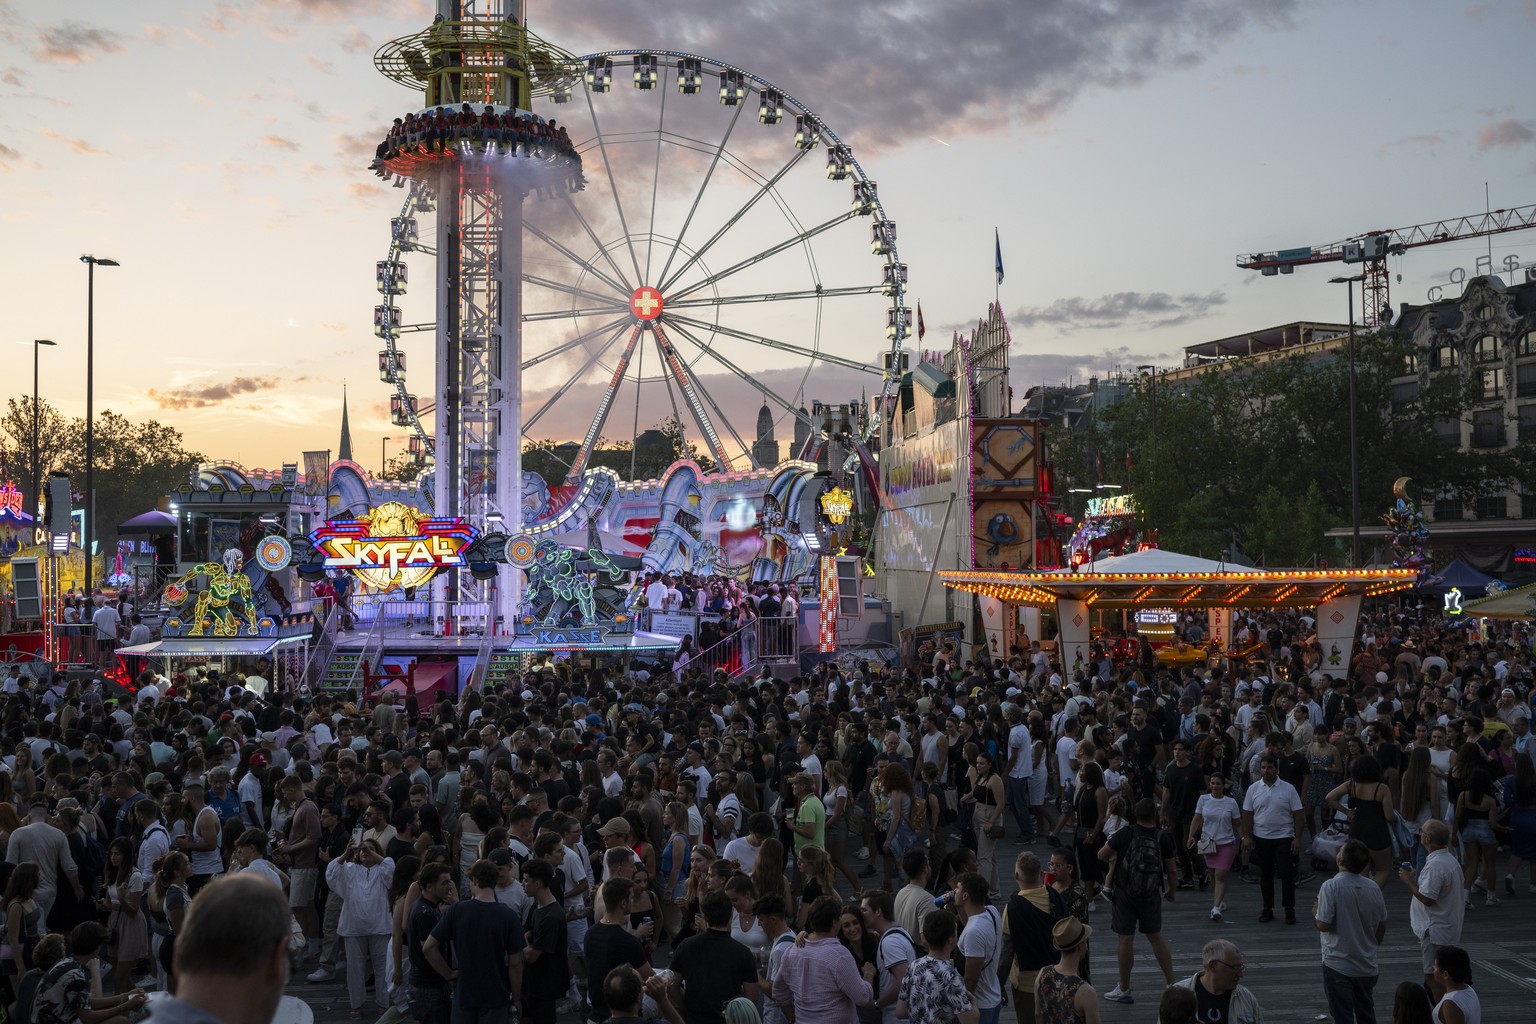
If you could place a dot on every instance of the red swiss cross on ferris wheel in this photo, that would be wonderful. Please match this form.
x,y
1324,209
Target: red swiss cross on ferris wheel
x,y
645,303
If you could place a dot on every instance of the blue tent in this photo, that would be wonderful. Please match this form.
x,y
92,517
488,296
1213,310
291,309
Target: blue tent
x,y
1463,577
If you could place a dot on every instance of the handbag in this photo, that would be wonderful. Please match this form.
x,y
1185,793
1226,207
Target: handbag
x,y
1205,846
995,831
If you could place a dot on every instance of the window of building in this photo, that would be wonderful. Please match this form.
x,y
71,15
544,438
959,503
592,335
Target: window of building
x,y
1448,509
1493,506
1493,383
1525,380
1411,363
1448,431
1525,345
1443,357
1403,394
1488,428
1487,349
1485,312
1527,421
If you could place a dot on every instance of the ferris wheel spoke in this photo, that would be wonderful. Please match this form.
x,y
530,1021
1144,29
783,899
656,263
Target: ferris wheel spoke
x,y
650,232
690,391
774,343
757,385
571,289
574,378
572,314
768,253
553,243
808,293
731,222
613,185
586,226
663,344
699,195
605,405
566,346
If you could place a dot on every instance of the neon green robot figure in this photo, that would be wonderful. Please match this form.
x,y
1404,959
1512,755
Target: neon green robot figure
x,y
221,598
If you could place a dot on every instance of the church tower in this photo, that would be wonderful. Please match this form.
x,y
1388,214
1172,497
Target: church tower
x,y
344,450
765,450
802,432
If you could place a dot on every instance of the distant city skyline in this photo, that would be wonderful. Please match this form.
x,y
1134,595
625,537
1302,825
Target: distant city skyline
x,y
219,152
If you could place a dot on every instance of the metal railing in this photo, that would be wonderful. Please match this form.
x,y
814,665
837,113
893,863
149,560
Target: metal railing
x,y
487,643
320,657
778,638
734,654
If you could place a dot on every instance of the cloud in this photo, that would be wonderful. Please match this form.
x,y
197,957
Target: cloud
x,y
970,66
202,396
325,67
355,42
78,145
1136,310
12,76
1505,134
7,157
75,42
278,142
1427,143
365,190
1032,369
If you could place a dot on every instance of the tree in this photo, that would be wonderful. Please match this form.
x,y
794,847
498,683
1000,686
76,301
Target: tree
x,y
16,443
136,464
403,467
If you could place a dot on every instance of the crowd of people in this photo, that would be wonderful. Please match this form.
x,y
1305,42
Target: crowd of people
x,y
737,623
834,847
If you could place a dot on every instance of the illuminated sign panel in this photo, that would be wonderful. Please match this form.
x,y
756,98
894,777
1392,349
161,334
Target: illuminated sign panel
x,y
836,505
394,545
1115,505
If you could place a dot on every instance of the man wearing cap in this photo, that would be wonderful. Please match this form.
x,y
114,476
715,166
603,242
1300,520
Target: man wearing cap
x,y
251,794
1219,992
1061,995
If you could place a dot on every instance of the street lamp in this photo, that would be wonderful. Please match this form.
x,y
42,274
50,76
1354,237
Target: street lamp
x,y
86,537
1354,434
37,498
383,457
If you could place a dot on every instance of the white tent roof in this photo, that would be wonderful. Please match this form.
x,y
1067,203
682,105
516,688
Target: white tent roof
x,y
1153,560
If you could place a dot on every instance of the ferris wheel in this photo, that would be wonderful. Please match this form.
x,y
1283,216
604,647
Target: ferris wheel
x,y
726,252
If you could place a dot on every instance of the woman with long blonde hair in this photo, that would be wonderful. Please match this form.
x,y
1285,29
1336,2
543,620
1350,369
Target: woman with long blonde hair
x,y
700,861
839,801
816,869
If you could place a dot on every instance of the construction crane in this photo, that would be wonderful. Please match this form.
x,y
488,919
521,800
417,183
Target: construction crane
x,y
1373,248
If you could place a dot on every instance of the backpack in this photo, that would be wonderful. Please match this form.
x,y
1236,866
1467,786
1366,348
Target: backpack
x,y
95,855
1144,863
918,816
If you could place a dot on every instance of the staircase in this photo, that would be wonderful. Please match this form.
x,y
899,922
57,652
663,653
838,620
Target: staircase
x,y
342,670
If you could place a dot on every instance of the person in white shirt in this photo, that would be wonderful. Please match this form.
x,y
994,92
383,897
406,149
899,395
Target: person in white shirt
x,y
981,943
104,626
1438,906
48,848
743,849
249,790
1020,767
1272,822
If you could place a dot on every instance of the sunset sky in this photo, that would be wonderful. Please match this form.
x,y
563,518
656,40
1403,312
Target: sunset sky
x,y
1125,151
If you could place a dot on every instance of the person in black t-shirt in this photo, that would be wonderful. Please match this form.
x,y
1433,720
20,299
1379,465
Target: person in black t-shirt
x,y
1183,782
431,993
609,943
486,940
715,968
546,955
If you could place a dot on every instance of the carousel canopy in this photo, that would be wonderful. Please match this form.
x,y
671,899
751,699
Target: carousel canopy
x,y
1519,603
1158,578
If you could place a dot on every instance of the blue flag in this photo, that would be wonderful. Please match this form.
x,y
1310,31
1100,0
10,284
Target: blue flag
x,y
999,242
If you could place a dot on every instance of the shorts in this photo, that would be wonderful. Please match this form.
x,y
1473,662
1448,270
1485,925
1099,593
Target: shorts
x,y
1130,914
1478,830
301,886
1429,949
576,937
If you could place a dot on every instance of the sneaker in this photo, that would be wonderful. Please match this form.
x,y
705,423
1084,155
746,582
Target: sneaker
x,y
1305,877
1509,885
1093,905
1114,995
1215,913
1186,883
568,1005
1053,841
1266,915
1106,892
1479,886
1469,903
863,853
322,973
1492,901
1205,880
